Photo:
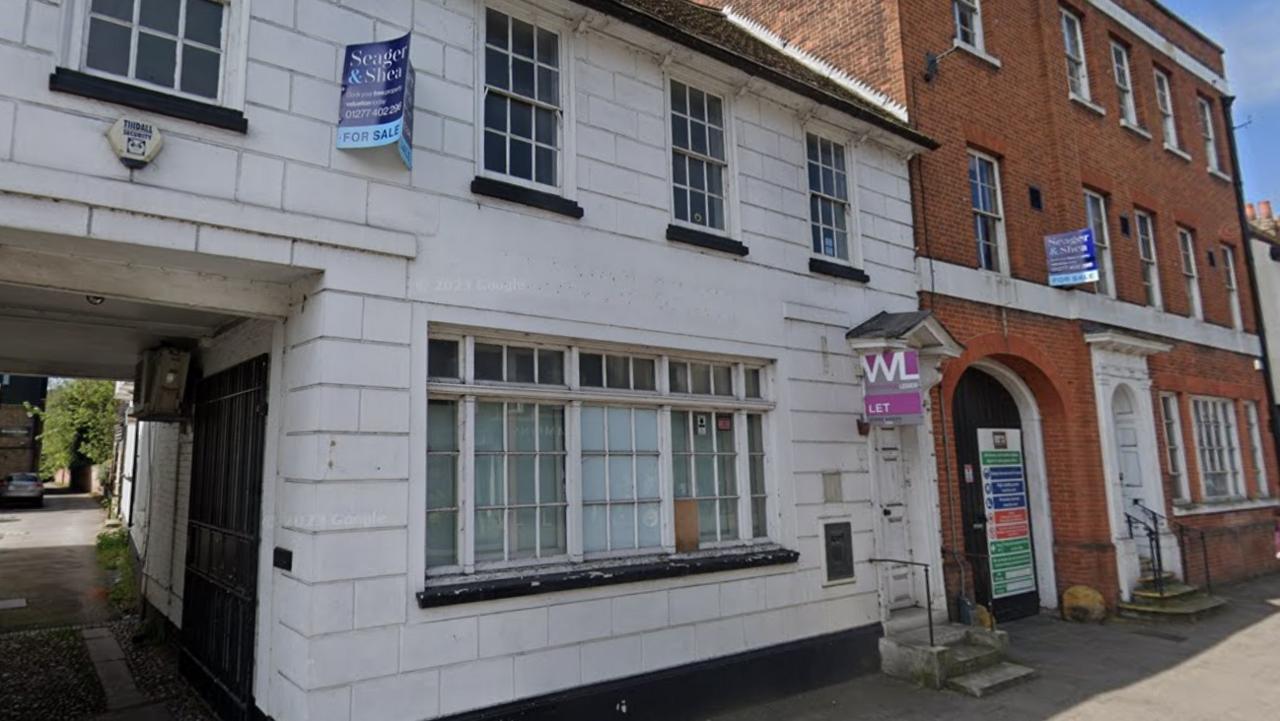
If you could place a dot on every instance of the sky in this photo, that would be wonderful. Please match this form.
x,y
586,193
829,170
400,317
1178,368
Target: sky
x,y
1250,31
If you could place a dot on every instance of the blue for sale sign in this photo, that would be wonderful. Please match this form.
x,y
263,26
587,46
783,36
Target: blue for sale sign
x,y
377,97
1072,257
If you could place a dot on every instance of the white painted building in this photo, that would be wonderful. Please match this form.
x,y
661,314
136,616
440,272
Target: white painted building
x,y
568,404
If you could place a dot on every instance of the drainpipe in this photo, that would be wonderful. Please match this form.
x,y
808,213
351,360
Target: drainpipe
x,y
1247,234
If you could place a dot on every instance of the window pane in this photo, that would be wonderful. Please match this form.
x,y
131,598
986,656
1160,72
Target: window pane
x,y
521,119
489,424
680,431
678,375
622,526
495,28
160,15
620,480
548,85
489,481
442,359
591,370
617,371
442,427
521,428
650,525
678,103
441,481
204,22
520,364
550,429
701,378
728,520
647,477
122,9
643,374
679,132
156,59
646,423
523,532
552,532
442,538
108,47
551,367
704,469
489,529
521,159
522,77
521,479
548,48
595,529
592,428
546,127
759,524
707,521
496,71
681,202
681,483
495,152
753,382
488,362
593,478
723,377
619,429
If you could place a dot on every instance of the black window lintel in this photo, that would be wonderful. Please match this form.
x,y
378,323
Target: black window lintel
x,y
526,196
838,270
703,239
114,91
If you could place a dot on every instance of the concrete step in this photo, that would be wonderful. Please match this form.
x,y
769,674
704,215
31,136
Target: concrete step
x,y
1149,578
987,681
1172,589
966,658
1191,607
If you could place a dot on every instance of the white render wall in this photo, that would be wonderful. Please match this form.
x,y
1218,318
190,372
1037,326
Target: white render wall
x,y
390,251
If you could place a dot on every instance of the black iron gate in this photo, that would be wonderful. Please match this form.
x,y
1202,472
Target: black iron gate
x,y
220,598
981,402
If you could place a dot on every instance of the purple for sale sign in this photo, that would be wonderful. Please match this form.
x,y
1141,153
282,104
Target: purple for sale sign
x,y
892,395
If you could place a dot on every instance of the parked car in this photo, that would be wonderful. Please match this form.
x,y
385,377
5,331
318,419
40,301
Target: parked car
x,y
22,487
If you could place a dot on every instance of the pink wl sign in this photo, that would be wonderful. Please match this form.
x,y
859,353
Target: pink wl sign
x,y
892,395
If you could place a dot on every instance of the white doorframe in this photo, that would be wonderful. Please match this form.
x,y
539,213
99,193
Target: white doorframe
x,y
1037,476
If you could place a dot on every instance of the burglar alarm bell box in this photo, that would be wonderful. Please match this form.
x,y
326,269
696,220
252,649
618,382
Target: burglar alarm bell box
x,y
161,385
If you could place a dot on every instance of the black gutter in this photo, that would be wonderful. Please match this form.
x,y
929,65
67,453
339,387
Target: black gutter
x,y
660,27
1246,230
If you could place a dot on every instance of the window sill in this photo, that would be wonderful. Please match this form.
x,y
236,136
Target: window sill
x,y
703,239
75,82
838,270
453,590
1087,104
1179,152
978,53
1225,505
1135,129
501,190
1219,175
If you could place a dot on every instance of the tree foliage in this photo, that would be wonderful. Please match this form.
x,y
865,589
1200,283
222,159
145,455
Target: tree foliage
x,y
79,425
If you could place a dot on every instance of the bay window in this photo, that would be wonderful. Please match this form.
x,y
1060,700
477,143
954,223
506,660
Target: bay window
x,y
540,453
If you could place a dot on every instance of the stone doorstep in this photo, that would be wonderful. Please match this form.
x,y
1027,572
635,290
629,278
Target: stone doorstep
x,y
991,679
959,650
1173,589
1182,608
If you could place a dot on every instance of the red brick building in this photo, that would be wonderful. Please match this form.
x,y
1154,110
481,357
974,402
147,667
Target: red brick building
x,y
1146,386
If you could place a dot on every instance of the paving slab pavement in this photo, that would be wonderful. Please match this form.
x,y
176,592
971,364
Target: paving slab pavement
x,y
1224,668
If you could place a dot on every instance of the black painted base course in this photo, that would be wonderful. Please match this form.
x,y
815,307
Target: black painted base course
x,y
692,692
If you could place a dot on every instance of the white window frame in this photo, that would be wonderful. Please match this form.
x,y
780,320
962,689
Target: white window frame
x,y
1145,229
1232,285
467,393
1190,271
692,79
1175,451
566,171
1077,60
1120,68
233,58
1217,435
975,9
1254,421
1002,249
851,178
1209,134
1164,100
1106,284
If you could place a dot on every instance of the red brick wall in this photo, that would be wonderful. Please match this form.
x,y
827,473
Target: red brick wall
x,y
1052,358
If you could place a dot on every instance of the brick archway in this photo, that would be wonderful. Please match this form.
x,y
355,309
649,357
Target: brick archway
x,y
1080,538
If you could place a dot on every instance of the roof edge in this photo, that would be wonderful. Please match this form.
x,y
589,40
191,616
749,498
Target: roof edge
x,y
645,21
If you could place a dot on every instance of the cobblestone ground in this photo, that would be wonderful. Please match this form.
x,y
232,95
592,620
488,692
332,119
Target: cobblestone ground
x,y
1224,668
46,674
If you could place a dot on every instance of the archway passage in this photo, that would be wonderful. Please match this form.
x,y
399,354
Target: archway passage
x,y
994,497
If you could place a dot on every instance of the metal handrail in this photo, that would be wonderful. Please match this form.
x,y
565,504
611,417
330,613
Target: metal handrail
x,y
1153,540
928,589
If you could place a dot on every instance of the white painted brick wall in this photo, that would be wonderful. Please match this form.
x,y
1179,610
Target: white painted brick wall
x,y
346,639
